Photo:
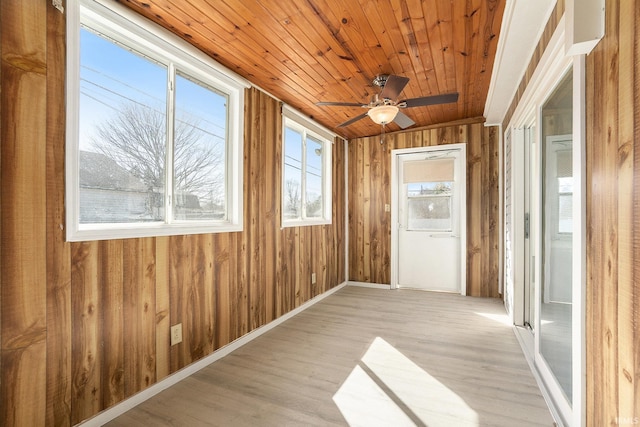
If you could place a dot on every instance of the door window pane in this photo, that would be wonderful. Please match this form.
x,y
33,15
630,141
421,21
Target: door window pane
x,y
557,194
565,189
429,206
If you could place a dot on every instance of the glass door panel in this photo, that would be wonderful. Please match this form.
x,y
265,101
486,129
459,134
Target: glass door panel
x,y
555,297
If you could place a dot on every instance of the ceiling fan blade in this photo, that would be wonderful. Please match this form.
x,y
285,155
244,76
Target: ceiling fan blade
x,y
355,119
393,87
431,100
340,104
403,120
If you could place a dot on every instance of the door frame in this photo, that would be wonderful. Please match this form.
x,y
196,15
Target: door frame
x,y
461,179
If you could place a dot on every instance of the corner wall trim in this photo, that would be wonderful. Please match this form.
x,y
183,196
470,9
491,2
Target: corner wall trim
x,y
130,403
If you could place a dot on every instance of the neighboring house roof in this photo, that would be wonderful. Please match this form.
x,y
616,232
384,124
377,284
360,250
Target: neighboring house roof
x,y
100,171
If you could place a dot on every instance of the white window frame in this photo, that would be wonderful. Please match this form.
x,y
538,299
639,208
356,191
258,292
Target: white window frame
x,y
120,23
307,127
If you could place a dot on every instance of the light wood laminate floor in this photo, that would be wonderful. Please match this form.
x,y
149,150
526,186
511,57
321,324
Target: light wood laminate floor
x,y
365,357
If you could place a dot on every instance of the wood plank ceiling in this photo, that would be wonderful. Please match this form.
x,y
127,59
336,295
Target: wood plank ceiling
x,y
304,51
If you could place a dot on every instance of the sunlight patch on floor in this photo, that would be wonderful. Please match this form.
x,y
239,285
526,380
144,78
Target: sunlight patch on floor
x,y
364,403
390,389
500,318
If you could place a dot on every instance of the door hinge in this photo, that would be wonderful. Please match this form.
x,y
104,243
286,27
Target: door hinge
x,y
526,225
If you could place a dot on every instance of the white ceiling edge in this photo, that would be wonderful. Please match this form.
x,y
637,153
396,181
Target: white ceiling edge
x,y
522,25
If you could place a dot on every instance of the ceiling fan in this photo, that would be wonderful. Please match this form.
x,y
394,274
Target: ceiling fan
x,y
384,108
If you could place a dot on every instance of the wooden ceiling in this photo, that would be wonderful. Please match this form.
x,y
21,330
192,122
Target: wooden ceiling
x,y
304,51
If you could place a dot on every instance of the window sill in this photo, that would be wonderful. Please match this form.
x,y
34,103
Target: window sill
x,y
129,231
305,222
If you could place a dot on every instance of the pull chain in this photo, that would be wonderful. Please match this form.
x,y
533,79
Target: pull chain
x,y
382,135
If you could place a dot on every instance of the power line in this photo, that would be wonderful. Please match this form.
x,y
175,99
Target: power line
x,y
144,106
139,91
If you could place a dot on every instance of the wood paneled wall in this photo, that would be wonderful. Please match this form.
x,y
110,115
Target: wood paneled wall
x,y
613,213
613,220
85,325
370,189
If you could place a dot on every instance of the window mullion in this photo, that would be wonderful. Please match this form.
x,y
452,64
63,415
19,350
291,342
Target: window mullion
x,y
169,155
323,182
303,178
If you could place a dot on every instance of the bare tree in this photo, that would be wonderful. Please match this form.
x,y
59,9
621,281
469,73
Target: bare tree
x,y
314,207
135,138
292,201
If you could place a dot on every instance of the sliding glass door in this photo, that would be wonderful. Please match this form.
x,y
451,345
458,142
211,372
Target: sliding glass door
x,y
545,228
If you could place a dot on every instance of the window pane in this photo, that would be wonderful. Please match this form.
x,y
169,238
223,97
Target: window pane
x,y
314,179
199,189
122,134
292,192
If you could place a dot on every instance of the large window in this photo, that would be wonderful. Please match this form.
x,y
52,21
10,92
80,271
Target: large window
x,y
306,172
154,131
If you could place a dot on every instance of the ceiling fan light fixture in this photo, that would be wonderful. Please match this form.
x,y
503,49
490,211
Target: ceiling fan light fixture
x,y
383,114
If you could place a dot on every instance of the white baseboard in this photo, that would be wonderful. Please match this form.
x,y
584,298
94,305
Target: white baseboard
x,y
369,285
130,403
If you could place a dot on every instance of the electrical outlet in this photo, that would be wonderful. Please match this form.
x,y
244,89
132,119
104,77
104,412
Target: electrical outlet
x,y
313,278
176,334
387,207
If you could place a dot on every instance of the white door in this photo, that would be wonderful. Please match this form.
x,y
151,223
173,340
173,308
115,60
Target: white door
x,y
431,243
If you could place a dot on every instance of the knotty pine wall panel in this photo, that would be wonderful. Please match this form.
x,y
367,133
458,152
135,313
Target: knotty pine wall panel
x,y
85,325
370,189
111,276
23,35
58,257
613,225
